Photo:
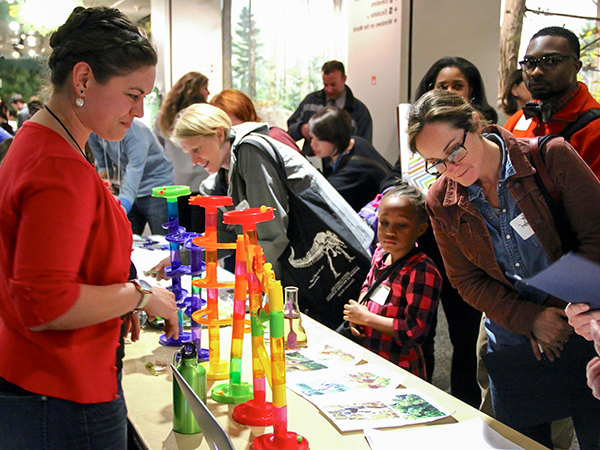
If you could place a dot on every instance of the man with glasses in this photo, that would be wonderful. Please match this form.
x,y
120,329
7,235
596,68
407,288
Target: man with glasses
x,y
550,69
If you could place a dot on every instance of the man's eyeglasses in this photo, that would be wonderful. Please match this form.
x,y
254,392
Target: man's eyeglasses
x,y
544,63
457,154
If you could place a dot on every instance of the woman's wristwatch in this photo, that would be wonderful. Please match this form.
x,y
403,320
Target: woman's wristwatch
x,y
145,289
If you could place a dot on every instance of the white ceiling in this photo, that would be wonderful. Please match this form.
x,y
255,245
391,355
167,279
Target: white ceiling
x,y
134,9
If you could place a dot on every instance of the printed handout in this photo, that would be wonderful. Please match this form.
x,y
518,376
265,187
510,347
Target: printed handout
x,y
380,408
333,381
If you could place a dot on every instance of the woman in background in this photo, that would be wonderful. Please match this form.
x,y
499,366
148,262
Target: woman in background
x,y
240,109
65,246
515,94
189,89
354,168
4,113
460,76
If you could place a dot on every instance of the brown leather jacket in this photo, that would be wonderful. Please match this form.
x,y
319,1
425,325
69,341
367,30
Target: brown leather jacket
x,y
465,243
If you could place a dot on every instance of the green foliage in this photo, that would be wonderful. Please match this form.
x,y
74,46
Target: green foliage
x,y
257,71
411,406
245,50
20,76
590,43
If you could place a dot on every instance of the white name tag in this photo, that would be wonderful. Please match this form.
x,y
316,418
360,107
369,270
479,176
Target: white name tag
x,y
521,226
380,294
523,124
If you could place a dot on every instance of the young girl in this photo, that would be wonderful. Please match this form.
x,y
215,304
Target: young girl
x,y
400,295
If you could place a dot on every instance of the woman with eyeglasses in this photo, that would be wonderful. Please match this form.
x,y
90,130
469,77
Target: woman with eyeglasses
x,y
491,220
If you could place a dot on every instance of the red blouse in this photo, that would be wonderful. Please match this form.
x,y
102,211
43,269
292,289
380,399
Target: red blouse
x,y
61,228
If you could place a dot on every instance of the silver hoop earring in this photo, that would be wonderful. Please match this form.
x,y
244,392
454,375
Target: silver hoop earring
x,y
79,102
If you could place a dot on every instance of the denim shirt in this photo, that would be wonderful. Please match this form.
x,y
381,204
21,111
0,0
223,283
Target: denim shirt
x,y
514,254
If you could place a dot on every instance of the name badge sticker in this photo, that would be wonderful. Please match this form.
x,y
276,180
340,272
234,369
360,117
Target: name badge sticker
x,y
523,124
522,227
380,294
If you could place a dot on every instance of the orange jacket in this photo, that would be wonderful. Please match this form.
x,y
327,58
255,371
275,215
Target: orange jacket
x,y
586,141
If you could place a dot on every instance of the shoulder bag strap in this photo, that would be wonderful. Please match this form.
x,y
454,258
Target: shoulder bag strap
x,y
271,151
581,122
535,146
385,274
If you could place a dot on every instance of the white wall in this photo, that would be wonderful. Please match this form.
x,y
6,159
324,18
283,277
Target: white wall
x,y
187,34
374,65
466,28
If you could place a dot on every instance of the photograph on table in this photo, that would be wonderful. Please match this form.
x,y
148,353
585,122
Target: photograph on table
x,y
331,381
382,408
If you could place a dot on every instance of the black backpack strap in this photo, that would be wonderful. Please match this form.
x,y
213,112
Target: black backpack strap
x,y
551,194
536,146
581,122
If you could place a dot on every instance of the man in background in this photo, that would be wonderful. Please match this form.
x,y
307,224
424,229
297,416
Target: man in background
x,y
20,106
139,164
550,69
335,93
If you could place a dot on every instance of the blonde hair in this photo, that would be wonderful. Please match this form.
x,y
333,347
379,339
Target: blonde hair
x,y
200,119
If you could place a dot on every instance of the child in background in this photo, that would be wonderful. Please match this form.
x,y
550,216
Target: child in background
x,y
400,295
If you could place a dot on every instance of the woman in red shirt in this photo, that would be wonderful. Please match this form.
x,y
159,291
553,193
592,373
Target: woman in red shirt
x,y
65,245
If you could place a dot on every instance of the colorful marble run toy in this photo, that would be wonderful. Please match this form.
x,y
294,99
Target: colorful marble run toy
x,y
256,411
177,236
236,391
262,278
216,368
281,438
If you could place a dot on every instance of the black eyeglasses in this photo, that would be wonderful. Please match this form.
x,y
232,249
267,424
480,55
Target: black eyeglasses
x,y
457,154
544,63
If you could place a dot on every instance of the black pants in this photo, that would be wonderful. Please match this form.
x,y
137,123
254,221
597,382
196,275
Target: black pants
x,y
463,328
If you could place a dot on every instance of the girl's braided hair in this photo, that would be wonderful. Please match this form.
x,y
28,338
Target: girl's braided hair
x,y
102,37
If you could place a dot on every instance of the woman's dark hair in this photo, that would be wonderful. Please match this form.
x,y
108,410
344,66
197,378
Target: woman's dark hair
x,y
102,37
333,125
4,111
471,73
185,92
34,106
509,101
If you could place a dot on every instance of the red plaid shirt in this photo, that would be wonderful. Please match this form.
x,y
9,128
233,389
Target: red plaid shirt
x,y
412,303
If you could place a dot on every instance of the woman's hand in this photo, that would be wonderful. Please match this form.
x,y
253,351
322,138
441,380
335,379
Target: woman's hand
x,y
158,271
132,324
551,352
593,367
162,304
550,328
580,316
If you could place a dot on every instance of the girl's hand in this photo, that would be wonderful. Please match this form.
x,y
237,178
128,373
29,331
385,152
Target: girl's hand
x,y
356,313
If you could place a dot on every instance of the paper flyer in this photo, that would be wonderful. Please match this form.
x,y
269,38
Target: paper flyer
x,y
379,408
572,278
321,357
472,434
332,381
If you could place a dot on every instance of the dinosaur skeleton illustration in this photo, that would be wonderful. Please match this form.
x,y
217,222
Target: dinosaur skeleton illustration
x,y
325,243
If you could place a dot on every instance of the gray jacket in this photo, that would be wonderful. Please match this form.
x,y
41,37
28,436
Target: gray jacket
x,y
254,181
